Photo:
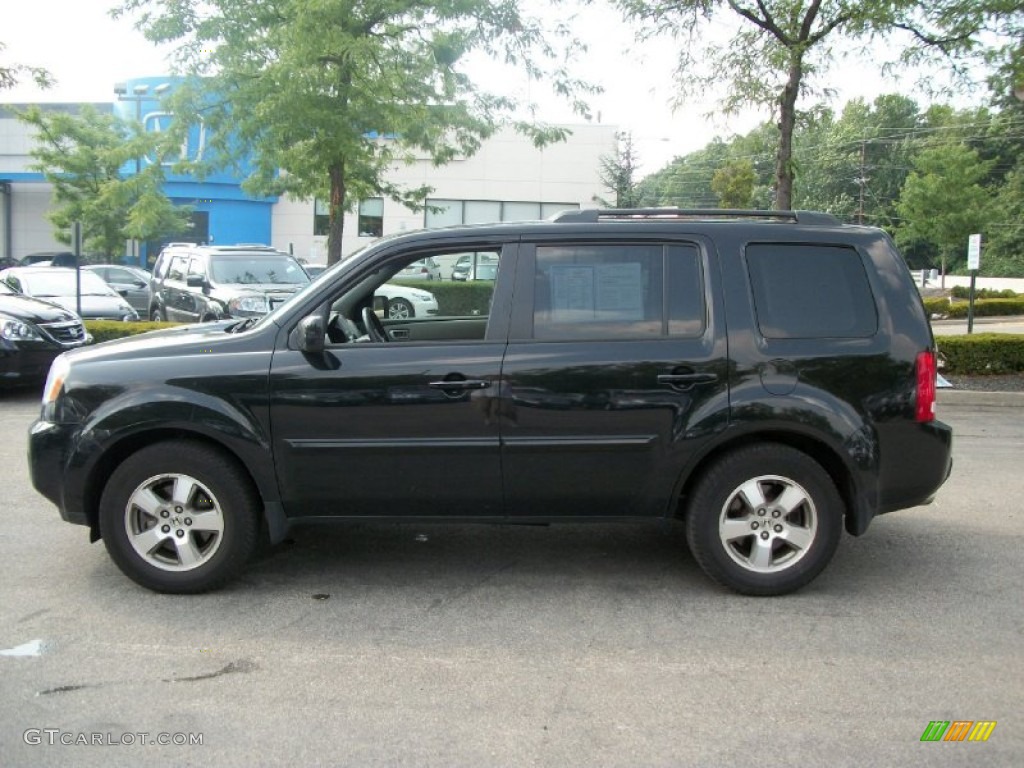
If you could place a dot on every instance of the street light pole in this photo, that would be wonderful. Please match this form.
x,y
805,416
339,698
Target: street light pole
x,y
139,94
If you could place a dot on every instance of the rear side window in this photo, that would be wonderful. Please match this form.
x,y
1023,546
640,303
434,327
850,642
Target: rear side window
x,y
804,291
617,291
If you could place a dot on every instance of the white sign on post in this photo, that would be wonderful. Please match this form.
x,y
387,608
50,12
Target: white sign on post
x,y
974,252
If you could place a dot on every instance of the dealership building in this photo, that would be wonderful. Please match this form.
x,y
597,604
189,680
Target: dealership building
x,y
508,179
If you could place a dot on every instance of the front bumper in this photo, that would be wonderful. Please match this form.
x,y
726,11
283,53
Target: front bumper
x,y
49,447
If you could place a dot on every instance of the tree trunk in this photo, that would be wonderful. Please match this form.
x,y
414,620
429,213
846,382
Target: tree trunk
x,y
787,123
337,213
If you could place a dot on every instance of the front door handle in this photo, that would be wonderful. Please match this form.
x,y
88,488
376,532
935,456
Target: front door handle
x,y
686,380
460,384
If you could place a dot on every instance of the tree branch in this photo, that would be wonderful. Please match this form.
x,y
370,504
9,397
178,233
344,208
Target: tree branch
x,y
767,24
942,43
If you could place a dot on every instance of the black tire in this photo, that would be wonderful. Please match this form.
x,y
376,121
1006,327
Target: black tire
x,y
764,520
181,551
400,309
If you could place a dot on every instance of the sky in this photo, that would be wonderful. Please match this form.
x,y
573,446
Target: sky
x,y
87,52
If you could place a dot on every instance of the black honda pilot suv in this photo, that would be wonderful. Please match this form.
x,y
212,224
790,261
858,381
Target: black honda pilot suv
x,y
766,378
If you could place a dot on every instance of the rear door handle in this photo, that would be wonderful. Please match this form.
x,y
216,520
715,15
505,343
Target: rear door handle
x,y
460,384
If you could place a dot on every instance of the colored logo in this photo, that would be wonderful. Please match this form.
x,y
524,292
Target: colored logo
x,y
958,730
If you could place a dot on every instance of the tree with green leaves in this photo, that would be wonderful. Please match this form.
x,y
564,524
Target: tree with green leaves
x,y
734,184
944,200
83,156
619,173
778,47
326,96
10,74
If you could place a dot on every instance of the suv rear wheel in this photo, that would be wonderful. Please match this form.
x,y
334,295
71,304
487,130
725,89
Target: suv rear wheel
x,y
764,520
179,517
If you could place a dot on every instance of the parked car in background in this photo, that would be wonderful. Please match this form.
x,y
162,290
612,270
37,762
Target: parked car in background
x,y
131,282
314,269
476,266
422,269
32,333
60,286
200,283
49,258
402,302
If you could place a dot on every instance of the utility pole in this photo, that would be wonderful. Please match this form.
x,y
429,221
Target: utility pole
x,y
862,180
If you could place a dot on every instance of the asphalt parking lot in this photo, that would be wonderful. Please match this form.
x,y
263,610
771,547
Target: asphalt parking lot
x,y
477,646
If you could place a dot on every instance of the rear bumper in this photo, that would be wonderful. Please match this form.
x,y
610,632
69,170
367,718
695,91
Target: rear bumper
x,y
923,470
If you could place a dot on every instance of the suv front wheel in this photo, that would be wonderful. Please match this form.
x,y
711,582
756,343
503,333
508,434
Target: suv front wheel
x,y
764,520
179,517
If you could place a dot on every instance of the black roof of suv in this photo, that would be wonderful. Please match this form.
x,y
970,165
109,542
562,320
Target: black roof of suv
x,y
765,378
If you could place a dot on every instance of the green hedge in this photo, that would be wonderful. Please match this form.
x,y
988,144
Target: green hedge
x,y
982,307
964,292
472,297
937,305
982,353
987,307
105,330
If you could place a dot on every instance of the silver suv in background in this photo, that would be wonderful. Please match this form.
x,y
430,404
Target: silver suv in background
x,y
201,283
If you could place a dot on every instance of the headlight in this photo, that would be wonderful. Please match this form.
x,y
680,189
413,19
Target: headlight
x,y
249,305
55,379
421,296
13,329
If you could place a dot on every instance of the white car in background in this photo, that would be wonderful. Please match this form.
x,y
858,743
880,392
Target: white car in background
x,y
402,302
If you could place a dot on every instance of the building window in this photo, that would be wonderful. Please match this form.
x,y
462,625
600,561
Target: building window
x,y
321,218
371,217
446,213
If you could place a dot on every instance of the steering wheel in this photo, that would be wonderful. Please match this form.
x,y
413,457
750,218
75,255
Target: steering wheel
x,y
374,327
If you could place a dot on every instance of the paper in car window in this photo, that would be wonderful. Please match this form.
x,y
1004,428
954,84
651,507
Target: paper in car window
x,y
599,292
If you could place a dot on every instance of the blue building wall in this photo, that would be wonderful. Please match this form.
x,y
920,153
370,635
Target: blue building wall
x,y
234,216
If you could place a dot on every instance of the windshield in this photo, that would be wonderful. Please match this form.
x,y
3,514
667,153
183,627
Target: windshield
x,y
5,288
257,269
59,282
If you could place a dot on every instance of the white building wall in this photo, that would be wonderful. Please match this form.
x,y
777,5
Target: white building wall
x,y
32,231
507,168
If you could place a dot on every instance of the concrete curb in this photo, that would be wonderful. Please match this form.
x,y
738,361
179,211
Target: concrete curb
x,y
966,397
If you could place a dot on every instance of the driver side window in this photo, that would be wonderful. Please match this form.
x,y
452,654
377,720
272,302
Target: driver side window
x,y
440,295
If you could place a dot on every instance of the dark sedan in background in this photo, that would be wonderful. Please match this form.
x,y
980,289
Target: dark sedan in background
x,y
131,282
32,334
58,286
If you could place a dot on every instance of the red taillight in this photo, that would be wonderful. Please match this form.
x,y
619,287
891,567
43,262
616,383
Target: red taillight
x,y
925,386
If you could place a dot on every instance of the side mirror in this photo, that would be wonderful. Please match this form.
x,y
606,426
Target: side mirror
x,y
309,335
195,281
122,292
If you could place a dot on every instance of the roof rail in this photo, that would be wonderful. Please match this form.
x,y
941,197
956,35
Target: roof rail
x,y
594,215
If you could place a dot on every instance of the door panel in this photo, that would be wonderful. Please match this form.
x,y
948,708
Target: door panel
x,y
367,429
624,385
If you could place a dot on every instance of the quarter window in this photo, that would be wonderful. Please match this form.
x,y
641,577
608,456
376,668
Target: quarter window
x,y
810,291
